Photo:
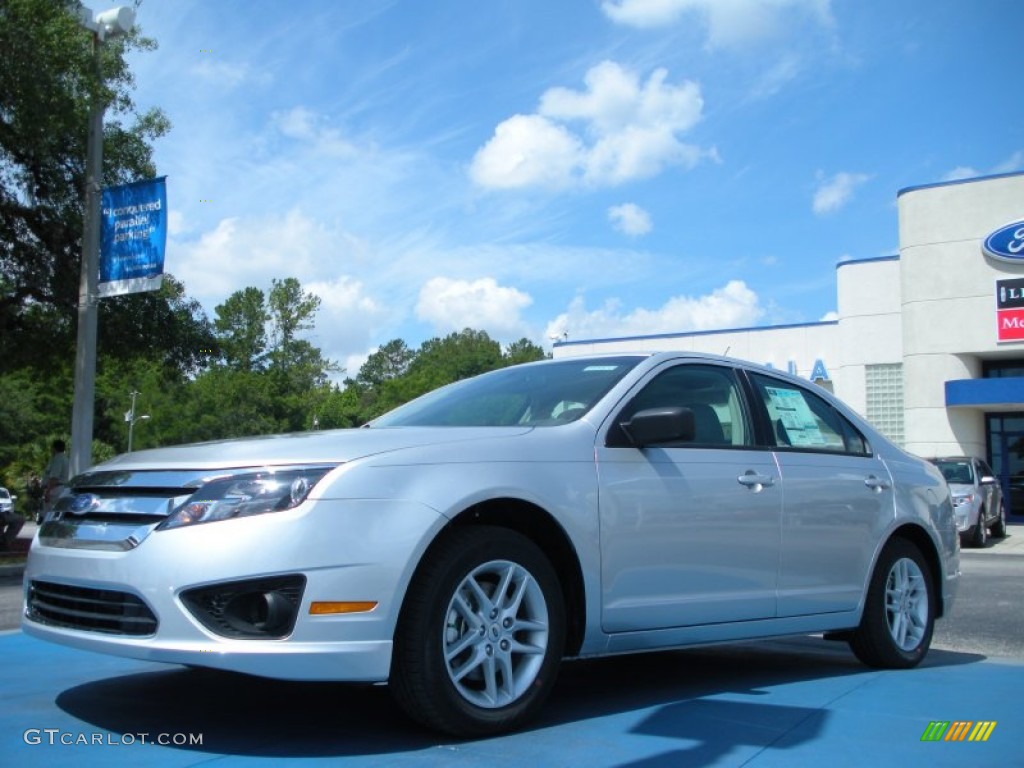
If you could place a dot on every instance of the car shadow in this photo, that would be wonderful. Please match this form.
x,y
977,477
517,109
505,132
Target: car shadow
x,y
248,716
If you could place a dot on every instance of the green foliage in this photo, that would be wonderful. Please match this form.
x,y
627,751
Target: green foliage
x,y
48,81
240,326
394,374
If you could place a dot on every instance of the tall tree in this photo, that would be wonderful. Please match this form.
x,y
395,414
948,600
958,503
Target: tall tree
x,y
292,310
390,361
48,78
522,351
241,327
164,326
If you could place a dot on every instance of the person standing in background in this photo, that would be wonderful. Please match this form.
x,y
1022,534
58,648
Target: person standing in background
x,y
55,476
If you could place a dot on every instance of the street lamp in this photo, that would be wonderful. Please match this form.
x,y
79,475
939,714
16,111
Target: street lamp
x,y
131,418
106,25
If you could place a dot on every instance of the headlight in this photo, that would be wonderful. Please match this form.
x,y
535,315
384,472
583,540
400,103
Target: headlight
x,y
961,500
250,493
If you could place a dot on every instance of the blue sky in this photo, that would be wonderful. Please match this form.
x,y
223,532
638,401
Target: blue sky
x,y
547,167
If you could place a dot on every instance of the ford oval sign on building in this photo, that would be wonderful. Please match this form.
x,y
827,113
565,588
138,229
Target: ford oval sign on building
x,y
1006,243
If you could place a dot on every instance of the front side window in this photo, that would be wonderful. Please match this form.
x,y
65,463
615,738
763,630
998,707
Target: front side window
x,y
800,419
711,392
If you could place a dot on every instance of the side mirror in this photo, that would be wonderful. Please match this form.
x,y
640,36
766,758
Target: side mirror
x,y
660,425
987,480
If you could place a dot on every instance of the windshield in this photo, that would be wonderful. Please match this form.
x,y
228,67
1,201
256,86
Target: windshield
x,y
959,472
537,394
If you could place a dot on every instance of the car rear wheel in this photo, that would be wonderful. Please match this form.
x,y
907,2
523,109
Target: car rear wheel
x,y
481,634
896,628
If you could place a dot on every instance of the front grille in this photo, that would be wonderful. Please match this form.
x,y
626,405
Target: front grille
x,y
93,610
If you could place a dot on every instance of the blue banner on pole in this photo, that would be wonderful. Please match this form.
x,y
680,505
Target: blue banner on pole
x,y
133,236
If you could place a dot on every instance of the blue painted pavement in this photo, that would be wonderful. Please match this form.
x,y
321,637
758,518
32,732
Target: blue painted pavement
x,y
790,702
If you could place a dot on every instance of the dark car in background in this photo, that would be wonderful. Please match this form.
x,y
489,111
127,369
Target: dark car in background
x,y
977,498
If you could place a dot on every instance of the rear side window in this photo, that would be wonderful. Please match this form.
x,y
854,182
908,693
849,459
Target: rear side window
x,y
801,419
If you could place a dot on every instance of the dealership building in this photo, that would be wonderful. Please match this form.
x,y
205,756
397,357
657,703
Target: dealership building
x,y
928,344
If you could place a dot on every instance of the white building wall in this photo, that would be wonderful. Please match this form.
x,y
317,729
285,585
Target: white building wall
x,y
868,294
795,348
948,303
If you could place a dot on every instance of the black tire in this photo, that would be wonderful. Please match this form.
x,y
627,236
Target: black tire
x,y
979,534
999,526
895,630
464,662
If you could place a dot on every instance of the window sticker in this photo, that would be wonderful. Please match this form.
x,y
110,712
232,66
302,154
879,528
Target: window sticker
x,y
789,407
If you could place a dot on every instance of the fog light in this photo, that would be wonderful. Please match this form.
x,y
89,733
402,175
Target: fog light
x,y
257,609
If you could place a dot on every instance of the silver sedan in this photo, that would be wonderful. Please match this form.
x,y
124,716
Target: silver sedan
x,y
462,545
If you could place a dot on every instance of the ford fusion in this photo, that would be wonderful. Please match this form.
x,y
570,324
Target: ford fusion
x,y
462,545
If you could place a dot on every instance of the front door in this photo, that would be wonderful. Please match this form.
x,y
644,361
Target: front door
x,y
689,531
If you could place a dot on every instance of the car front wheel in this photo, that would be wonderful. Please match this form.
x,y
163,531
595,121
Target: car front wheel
x,y
979,535
896,628
999,526
481,634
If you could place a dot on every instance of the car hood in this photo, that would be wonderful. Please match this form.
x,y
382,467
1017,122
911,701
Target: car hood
x,y
326,447
961,489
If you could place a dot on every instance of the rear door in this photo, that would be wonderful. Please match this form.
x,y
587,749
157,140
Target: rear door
x,y
839,499
689,531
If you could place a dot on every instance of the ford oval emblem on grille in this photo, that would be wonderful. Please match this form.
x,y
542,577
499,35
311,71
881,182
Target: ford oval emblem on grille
x,y
82,503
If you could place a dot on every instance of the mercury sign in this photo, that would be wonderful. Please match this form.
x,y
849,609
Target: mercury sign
x,y
133,236
1010,309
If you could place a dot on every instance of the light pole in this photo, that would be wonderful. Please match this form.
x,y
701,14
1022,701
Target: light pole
x,y
106,25
131,418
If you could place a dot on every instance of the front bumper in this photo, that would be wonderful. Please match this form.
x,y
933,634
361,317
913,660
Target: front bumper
x,y
341,551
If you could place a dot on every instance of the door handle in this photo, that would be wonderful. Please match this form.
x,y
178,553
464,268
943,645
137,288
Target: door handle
x,y
875,484
754,481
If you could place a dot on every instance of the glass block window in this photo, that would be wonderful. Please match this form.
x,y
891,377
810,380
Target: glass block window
x,y
885,399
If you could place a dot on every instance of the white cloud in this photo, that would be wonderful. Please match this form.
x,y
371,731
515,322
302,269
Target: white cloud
x,y
176,222
732,306
730,23
961,172
451,305
307,126
630,219
772,79
348,316
835,192
615,130
227,74
527,150
242,252
1014,162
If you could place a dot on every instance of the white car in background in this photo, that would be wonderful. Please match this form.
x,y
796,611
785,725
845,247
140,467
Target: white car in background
x,y
977,498
6,501
462,545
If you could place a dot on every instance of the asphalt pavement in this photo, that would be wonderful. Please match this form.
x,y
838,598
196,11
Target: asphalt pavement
x,y
787,702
